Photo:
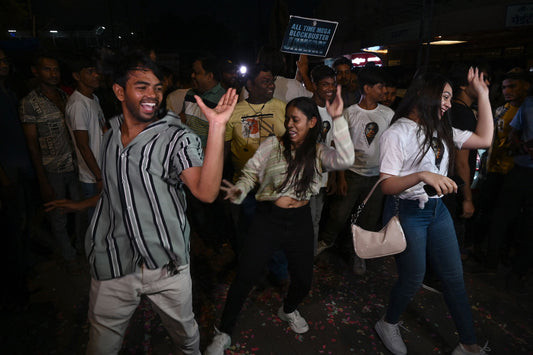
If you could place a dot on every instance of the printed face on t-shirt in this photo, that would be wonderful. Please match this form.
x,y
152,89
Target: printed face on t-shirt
x,y
371,129
438,149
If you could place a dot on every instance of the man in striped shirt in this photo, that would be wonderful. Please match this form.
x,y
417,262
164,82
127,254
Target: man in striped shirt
x,y
138,240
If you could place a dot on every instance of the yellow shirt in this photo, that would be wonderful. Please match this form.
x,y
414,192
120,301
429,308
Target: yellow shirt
x,y
249,126
500,160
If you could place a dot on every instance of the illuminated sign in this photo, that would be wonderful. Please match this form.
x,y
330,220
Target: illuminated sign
x,y
361,59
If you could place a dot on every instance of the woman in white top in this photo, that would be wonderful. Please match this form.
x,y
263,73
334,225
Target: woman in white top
x,y
417,150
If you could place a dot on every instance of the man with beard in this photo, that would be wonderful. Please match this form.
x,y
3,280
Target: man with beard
x,y
138,241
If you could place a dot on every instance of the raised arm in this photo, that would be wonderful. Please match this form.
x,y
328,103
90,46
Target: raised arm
x,y
343,155
303,72
204,182
482,137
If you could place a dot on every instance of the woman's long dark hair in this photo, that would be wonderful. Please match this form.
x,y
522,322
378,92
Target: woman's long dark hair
x,y
301,167
424,98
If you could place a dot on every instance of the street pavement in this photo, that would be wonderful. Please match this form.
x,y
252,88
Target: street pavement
x,y
341,310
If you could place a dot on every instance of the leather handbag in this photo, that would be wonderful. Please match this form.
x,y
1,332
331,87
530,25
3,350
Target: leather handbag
x,y
389,240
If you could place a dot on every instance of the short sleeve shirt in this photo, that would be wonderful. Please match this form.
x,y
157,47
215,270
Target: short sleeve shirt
x,y
250,125
401,145
140,217
52,132
85,114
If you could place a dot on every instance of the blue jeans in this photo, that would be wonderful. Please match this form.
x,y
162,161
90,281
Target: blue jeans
x,y
429,230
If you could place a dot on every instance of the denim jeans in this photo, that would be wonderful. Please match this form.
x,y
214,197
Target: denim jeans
x,y
429,230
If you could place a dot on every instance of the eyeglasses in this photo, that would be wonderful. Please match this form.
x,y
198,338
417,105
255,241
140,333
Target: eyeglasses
x,y
4,60
267,82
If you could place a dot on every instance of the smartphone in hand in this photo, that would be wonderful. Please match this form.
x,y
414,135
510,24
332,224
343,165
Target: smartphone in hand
x,y
430,190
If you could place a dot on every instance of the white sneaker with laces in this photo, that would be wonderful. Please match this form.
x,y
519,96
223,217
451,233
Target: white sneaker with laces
x,y
321,246
391,337
220,342
460,350
296,321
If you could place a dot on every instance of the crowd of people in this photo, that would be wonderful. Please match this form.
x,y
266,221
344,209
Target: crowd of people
x,y
272,163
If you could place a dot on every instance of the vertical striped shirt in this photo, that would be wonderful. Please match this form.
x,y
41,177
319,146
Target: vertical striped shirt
x,y
140,217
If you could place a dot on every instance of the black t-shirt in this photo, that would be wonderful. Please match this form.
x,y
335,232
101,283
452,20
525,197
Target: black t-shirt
x,y
463,117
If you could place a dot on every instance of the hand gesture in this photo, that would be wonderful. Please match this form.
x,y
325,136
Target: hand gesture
x,y
336,107
224,109
442,184
232,192
303,64
475,78
64,206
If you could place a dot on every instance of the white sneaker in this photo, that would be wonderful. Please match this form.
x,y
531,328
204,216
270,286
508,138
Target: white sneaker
x,y
296,321
220,342
391,337
460,350
321,246
359,265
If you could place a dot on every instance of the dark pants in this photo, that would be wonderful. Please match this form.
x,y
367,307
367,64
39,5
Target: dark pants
x,y
340,207
514,209
273,228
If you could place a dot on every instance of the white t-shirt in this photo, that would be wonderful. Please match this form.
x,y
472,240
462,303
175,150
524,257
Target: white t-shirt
x,y
400,146
85,114
327,125
286,90
366,128
175,100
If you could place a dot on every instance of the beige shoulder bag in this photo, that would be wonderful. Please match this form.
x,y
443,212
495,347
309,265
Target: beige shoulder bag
x,y
389,240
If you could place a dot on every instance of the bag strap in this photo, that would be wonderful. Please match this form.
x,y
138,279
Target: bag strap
x,y
355,216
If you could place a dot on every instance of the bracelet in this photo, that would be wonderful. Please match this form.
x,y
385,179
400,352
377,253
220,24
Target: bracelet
x,y
335,117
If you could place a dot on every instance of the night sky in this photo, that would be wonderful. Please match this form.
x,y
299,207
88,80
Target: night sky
x,y
219,26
